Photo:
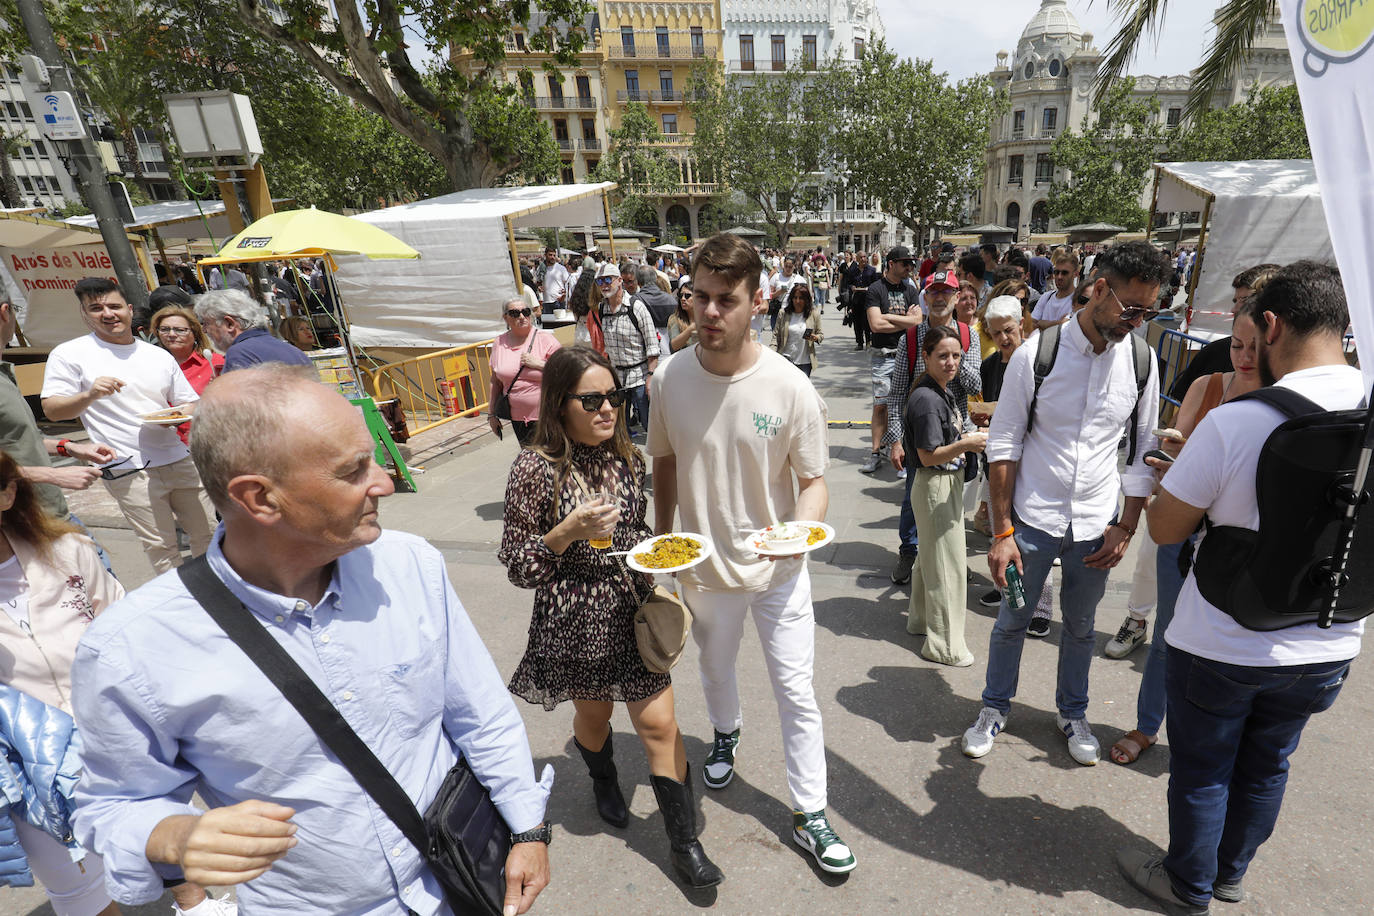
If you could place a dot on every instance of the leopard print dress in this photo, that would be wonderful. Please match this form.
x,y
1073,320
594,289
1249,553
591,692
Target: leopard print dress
x,y
581,642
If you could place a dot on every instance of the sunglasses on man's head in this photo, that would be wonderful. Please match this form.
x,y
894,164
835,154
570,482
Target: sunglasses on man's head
x,y
519,313
591,403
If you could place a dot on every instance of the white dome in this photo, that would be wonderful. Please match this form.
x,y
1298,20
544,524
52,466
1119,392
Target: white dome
x,y
1053,20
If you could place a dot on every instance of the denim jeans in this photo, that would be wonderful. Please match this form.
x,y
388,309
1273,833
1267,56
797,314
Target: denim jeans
x,y
1149,702
906,522
1079,595
639,403
1231,730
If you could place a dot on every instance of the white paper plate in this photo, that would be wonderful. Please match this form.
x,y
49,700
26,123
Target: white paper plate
x,y
706,550
154,420
755,541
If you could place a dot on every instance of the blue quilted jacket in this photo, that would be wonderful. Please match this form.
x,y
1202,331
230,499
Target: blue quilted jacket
x,y
40,762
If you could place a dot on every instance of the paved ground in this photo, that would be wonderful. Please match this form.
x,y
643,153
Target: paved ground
x,y
1024,830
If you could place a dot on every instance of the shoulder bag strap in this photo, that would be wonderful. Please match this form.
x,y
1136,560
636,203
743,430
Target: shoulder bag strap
x,y
515,378
1140,360
1286,400
1046,350
300,691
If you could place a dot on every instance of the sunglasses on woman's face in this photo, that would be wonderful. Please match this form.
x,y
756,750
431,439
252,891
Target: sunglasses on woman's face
x,y
591,403
519,313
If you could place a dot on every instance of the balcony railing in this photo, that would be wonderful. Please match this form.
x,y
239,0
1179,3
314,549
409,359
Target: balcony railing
x,y
647,47
1048,131
589,143
561,102
1018,133
1015,181
652,96
565,146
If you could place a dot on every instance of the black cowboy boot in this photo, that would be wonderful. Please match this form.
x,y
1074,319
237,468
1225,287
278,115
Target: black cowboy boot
x,y
610,804
680,820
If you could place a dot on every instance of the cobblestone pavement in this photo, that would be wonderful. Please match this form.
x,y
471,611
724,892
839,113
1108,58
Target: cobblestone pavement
x,y
1023,830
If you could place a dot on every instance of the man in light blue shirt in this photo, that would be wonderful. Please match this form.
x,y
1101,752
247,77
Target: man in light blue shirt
x,y
168,705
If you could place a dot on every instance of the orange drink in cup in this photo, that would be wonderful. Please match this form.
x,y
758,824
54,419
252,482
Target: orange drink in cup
x,y
603,498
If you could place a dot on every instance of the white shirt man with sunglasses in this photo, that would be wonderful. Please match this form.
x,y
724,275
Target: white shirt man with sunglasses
x,y
1055,484
111,380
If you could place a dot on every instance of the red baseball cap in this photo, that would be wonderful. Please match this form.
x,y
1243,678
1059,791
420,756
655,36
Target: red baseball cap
x,y
942,278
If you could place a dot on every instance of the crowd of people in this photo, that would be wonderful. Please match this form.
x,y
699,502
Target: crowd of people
x,y
1006,388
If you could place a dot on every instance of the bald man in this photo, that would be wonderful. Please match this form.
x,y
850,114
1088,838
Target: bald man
x,y
371,618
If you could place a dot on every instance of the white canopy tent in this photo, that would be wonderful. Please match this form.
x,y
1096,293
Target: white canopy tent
x,y
1263,211
452,296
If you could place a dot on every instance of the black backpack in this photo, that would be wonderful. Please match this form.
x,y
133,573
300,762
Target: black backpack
x,y
1289,572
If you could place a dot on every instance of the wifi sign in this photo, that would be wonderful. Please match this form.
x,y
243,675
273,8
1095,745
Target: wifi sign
x,y
61,119
52,102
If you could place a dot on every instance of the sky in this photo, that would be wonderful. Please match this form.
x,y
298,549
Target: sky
x,y
963,38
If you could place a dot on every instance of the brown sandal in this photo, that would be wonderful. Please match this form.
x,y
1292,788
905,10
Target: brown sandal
x,y
1130,746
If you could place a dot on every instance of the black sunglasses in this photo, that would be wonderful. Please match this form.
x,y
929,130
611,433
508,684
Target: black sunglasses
x,y
108,472
519,313
591,403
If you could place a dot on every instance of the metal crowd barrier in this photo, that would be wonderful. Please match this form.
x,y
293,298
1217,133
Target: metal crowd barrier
x,y
1176,350
437,387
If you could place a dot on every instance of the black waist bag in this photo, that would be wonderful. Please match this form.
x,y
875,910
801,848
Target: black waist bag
x,y
462,836
1283,574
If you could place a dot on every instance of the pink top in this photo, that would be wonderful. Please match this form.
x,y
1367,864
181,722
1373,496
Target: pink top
x,y
505,363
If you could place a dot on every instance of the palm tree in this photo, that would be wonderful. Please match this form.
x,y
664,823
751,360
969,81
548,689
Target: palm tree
x,y
1239,23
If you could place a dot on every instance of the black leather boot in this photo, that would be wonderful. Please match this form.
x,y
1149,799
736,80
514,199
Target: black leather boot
x,y
680,820
610,804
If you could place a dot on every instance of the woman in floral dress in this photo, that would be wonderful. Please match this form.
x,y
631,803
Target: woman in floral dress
x,y
581,639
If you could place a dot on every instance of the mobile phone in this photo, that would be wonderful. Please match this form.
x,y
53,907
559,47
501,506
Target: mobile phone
x,y
808,334
1160,454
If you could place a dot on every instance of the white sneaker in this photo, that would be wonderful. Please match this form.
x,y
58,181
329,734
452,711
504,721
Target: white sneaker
x,y
1083,746
1127,638
980,735
210,907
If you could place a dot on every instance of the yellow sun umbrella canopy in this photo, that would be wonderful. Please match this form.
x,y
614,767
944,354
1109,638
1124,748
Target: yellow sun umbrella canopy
x,y
310,234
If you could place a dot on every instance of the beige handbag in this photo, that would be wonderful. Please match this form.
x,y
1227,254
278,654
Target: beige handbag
x,y
661,627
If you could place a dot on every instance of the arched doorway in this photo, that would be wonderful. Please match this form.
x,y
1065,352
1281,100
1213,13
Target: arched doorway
x,y
1014,219
679,224
1040,217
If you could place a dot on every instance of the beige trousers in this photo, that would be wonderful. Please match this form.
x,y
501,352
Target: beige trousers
x,y
156,500
939,593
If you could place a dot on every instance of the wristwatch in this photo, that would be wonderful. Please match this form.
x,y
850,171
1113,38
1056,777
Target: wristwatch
x,y
541,834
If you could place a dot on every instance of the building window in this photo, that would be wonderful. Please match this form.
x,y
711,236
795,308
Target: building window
x,y
809,51
1018,124
698,42
779,45
627,40
560,129
746,52
1049,120
1016,166
632,85
1030,69
858,49
670,123
584,89
588,128
520,40
661,37
1175,116
1055,68
527,85
555,87
1044,168
665,84
1040,217
568,175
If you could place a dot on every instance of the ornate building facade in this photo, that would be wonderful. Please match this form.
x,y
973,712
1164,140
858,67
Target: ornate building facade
x,y
1049,80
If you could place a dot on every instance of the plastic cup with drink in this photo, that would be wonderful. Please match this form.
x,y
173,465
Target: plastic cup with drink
x,y
601,498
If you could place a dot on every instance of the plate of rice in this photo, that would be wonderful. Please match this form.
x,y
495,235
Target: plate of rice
x,y
669,553
788,539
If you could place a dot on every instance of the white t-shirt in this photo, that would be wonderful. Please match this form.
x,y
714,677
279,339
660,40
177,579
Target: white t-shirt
x,y
1216,472
14,591
152,381
1052,307
740,442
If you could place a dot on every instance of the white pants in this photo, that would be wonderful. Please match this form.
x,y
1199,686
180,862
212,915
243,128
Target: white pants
x,y
156,500
1144,592
73,888
786,625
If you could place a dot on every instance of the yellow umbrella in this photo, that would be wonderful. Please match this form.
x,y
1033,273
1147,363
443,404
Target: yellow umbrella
x,y
309,234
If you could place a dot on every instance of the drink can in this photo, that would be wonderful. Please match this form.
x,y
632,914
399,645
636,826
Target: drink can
x,y
1016,591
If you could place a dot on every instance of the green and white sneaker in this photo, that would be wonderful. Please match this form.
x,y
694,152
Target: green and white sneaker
x,y
720,763
813,833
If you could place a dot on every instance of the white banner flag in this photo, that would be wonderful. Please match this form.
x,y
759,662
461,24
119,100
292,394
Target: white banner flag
x,y
1332,45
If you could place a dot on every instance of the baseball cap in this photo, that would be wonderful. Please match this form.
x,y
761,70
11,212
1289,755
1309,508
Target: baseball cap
x,y
607,269
942,278
947,246
900,253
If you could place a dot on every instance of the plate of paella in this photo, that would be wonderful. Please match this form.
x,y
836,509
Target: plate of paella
x,y
669,553
788,539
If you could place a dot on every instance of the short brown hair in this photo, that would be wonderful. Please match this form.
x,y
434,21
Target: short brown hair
x,y
1062,255
1248,277
731,257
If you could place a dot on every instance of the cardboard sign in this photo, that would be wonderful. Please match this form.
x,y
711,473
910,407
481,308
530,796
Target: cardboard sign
x,y
45,279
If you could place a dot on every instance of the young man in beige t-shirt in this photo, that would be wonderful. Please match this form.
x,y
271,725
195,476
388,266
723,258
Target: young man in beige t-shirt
x,y
731,424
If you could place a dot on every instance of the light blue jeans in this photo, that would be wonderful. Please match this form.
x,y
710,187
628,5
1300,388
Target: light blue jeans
x,y
1081,591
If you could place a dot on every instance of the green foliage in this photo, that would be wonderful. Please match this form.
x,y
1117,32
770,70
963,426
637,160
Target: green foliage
x,y
644,167
771,137
1267,125
726,210
1108,161
913,142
